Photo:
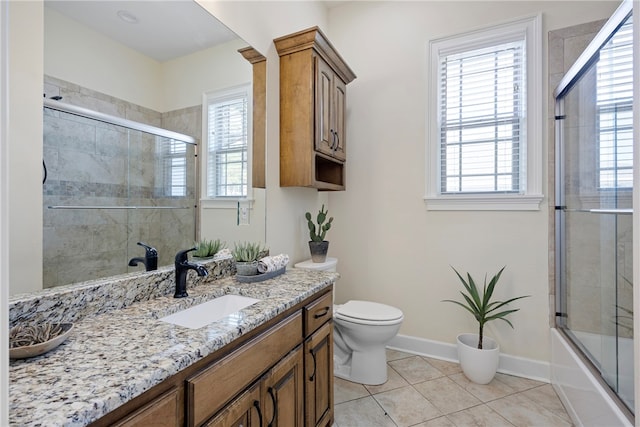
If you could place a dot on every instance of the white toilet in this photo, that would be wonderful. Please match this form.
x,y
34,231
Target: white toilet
x,y
360,333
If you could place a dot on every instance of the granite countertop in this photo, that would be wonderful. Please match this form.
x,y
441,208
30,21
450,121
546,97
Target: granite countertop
x,y
112,357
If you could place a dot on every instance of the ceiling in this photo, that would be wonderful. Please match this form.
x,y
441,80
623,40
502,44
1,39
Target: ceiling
x,y
164,29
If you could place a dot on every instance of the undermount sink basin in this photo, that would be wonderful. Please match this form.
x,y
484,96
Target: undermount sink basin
x,y
202,314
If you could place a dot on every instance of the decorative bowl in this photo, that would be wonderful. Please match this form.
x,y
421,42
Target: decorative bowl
x,y
41,348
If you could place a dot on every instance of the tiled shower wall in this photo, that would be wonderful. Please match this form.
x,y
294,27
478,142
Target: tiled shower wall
x,y
90,163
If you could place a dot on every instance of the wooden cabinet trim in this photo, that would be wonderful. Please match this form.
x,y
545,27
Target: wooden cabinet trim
x,y
163,411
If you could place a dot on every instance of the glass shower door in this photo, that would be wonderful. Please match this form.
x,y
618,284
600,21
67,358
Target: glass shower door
x,y
594,212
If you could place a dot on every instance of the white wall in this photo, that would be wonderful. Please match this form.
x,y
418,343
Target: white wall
x,y
24,149
390,248
74,53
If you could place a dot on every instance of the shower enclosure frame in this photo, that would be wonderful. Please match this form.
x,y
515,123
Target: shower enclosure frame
x,y
130,125
583,64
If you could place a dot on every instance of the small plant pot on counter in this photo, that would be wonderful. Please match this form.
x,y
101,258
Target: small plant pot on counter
x,y
247,268
479,365
318,250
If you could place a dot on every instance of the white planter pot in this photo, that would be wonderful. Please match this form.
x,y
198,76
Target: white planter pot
x,y
479,366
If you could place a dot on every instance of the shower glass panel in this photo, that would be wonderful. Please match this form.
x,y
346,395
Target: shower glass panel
x,y
594,183
107,187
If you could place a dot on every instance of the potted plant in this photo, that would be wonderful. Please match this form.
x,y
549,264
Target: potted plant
x,y
247,255
478,354
207,248
317,245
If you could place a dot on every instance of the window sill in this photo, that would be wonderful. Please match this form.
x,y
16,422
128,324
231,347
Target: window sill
x,y
483,202
230,203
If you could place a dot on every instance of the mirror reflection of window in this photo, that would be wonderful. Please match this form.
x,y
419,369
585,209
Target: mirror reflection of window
x,y
228,142
174,166
614,107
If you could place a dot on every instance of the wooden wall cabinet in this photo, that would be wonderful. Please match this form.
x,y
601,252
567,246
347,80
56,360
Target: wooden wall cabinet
x,y
313,81
279,375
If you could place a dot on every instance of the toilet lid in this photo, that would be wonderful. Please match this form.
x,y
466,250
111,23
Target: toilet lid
x,y
367,310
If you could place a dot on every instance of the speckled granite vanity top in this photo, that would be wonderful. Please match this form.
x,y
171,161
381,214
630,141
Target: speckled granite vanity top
x,y
114,356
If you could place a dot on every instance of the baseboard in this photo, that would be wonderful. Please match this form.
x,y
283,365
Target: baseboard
x,y
512,365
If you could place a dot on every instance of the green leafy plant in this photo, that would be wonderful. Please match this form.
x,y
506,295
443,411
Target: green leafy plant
x,y
480,305
322,227
205,248
248,252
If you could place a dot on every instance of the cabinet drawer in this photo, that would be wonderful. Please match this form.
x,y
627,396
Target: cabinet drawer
x,y
163,411
317,313
212,388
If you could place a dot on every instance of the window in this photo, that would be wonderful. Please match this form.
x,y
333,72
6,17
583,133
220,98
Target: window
x,y
227,125
614,101
484,147
174,156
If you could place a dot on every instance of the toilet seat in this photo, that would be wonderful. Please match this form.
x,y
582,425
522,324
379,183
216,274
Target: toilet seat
x,y
368,313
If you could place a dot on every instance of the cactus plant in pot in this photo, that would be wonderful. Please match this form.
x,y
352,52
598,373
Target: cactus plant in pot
x,y
317,245
479,354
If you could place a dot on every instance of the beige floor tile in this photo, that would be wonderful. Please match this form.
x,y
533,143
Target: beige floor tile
x,y
365,412
344,390
406,406
546,397
447,368
517,383
437,422
415,369
485,392
395,354
524,412
446,395
394,380
478,416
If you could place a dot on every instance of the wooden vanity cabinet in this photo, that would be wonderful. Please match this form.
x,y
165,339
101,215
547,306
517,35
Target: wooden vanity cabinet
x,y
318,360
313,81
278,375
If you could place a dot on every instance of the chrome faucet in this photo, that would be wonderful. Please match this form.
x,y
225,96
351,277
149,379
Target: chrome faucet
x,y
150,259
182,268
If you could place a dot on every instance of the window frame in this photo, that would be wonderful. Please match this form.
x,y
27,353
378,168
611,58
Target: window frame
x,y
530,196
226,202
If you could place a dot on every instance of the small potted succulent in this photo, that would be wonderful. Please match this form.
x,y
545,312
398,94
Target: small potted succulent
x,y
317,245
207,248
246,255
479,354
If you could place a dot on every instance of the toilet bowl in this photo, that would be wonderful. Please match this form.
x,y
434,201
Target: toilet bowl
x,y
361,331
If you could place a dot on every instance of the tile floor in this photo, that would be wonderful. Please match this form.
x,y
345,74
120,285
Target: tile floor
x,y
425,392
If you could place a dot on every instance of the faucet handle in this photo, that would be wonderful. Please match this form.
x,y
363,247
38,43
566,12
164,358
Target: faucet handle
x,y
182,256
150,250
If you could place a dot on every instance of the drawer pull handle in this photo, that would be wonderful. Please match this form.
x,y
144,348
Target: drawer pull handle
x,y
256,404
275,406
322,313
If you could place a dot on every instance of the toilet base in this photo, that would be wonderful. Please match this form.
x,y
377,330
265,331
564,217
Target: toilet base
x,y
363,367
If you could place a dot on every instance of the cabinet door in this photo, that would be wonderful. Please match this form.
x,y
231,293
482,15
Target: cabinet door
x,y
338,106
325,136
282,392
318,362
244,411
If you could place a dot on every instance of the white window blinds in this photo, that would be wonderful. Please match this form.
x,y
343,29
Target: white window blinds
x,y
227,145
482,100
614,105
173,155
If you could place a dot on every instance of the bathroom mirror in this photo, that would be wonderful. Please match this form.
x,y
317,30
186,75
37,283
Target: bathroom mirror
x,y
171,47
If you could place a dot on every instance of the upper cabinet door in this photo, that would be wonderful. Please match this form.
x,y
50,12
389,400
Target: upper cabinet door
x,y
325,137
339,104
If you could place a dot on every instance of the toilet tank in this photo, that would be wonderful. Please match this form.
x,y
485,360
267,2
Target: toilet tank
x,y
330,264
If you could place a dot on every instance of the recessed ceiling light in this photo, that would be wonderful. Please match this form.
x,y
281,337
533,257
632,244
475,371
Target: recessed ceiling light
x,y
127,16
